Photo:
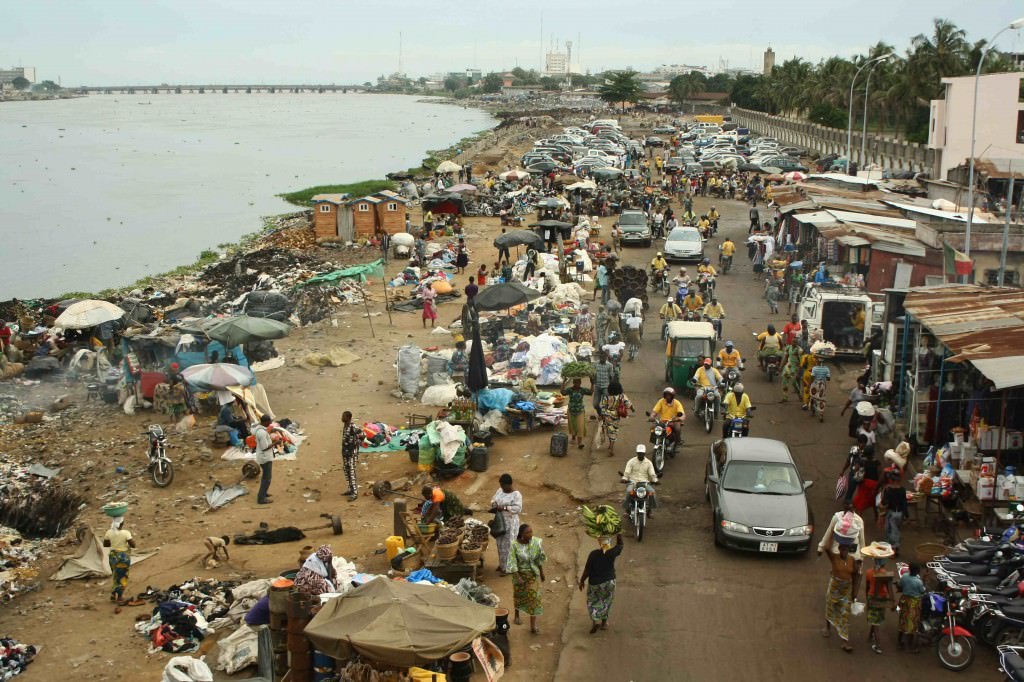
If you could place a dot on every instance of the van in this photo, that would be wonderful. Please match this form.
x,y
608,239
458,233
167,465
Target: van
x,y
830,309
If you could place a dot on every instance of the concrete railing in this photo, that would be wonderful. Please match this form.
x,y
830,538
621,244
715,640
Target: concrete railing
x,y
821,141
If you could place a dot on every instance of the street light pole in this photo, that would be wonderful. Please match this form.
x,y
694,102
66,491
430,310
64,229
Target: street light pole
x,y
849,115
974,122
867,86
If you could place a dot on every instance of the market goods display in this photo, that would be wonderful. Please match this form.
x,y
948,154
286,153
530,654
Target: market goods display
x,y
602,522
577,370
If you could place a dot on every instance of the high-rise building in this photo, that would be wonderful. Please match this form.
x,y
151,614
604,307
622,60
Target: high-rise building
x,y
26,72
769,61
556,63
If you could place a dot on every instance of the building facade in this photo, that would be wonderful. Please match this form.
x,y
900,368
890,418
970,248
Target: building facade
x,y
26,72
1000,121
769,61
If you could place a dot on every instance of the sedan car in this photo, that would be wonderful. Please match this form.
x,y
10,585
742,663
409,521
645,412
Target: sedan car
x,y
634,227
785,163
758,500
664,130
684,244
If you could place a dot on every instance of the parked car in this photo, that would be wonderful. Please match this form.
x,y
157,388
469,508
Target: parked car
x,y
785,163
758,500
665,130
684,244
795,152
674,165
654,141
634,227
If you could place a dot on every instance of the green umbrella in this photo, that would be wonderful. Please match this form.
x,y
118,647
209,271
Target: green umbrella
x,y
234,331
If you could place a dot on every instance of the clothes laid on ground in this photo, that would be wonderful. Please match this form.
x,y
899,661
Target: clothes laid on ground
x,y
265,536
14,657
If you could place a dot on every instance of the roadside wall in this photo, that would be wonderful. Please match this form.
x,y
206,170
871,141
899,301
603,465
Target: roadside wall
x,y
887,153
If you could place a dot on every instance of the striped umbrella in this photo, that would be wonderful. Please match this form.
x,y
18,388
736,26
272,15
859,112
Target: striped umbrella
x,y
212,377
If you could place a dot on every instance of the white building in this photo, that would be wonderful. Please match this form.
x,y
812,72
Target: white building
x,y
556,63
1000,121
26,72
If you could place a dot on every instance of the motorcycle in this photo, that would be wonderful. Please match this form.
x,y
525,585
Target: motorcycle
x,y
691,315
730,376
660,433
160,468
716,322
740,426
770,365
637,507
707,287
954,644
725,264
659,281
707,405
1011,662
681,291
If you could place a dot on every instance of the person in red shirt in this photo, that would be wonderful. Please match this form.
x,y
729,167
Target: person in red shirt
x,y
792,330
5,336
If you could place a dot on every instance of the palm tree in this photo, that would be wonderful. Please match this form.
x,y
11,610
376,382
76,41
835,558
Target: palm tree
x,y
793,78
944,53
620,86
684,87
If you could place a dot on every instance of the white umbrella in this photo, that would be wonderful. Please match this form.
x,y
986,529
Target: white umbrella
x,y
448,167
585,184
513,175
794,176
88,313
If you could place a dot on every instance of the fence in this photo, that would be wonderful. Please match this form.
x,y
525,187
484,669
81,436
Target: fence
x,y
887,153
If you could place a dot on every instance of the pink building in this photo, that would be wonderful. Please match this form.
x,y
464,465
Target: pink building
x,y
1000,121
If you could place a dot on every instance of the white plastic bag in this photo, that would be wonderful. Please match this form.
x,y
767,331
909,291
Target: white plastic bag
x,y
238,650
409,368
187,669
857,608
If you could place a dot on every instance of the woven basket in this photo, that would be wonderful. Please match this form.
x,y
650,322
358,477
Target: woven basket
x,y
447,552
471,556
928,551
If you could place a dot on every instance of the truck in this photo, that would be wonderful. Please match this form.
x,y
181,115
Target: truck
x,y
832,308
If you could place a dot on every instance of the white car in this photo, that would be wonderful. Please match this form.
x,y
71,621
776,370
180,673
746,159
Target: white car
x,y
684,244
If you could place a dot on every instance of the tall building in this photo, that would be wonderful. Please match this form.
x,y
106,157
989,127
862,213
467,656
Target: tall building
x,y
26,72
769,61
556,63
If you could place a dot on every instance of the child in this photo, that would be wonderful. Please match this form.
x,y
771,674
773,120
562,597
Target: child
x,y
481,275
878,589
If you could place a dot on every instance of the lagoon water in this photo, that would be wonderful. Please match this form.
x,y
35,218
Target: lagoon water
x,y
99,191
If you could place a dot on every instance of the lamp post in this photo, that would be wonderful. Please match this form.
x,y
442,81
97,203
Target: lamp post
x,y
1019,23
849,114
867,86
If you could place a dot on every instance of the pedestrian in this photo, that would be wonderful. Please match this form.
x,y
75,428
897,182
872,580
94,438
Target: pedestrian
x,y
878,590
351,440
526,564
532,260
601,282
599,572
909,605
842,591
265,458
755,219
894,508
857,394
867,487
851,524
577,411
461,259
613,408
791,355
508,502
503,252
602,378
120,543
584,332
317,575
853,467
481,275
428,296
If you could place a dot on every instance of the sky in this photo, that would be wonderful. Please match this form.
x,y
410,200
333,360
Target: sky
x,y
128,42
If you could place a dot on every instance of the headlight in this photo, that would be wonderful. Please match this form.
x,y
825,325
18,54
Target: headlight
x,y
801,531
657,430
734,527
641,491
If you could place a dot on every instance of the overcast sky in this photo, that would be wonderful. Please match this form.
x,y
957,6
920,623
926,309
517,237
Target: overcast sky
x,y
108,42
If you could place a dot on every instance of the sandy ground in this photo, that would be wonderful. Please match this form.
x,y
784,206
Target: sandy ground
x,y
684,611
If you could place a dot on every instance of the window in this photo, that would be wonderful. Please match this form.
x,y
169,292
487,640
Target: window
x,y
392,206
1020,127
364,207
1010,279
325,208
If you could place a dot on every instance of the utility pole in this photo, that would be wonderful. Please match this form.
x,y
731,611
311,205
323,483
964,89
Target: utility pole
x,y
399,52
1006,230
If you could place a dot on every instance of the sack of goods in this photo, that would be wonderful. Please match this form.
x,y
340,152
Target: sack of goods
x,y
602,522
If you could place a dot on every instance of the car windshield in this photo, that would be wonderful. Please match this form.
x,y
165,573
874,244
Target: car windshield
x,y
684,236
762,478
691,348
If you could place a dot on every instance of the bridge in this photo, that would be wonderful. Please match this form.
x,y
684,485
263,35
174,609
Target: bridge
x,y
166,89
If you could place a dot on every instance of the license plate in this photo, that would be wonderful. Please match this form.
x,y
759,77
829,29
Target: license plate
x,y
769,547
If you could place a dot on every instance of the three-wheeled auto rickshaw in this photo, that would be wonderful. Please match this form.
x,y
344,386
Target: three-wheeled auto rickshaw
x,y
688,344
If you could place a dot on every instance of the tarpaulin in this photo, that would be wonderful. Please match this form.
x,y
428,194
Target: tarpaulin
x,y
363,272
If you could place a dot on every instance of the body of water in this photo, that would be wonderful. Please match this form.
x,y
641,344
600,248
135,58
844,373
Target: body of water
x,y
100,191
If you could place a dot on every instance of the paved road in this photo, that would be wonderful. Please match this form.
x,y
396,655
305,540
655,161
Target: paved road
x,y
686,610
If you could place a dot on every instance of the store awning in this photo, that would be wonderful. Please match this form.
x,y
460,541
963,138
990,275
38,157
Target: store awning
x,y
1006,372
852,240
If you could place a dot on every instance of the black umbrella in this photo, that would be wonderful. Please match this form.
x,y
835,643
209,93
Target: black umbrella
x,y
476,370
504,296
527,238
558,224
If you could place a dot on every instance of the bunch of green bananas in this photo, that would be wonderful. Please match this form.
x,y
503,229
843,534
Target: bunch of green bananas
x,y
604,521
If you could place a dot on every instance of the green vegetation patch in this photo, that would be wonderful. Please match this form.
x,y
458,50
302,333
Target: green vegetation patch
x,y
304,197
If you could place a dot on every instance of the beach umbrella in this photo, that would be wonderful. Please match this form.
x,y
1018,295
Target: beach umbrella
x,y
606,173
88,313
216,376
448,167
397,623
462,188
567,179
476,369
234,331
504,296
557,224
542,167
771,170
513,175
527,238
795,176
583,185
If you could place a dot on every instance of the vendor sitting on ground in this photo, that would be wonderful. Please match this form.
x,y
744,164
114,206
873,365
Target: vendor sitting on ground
x,y
433,498
317,574
238,426
457,363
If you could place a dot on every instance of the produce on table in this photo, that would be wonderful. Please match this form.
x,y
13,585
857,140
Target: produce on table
x,y
573,370
603,522
448,536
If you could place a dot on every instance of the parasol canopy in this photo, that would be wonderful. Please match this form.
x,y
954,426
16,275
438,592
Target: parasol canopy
x,y
88,313
462,188
234,331
558,224
607,172
527,238
543,167
504,296
513,175
583,184
448,167
213,377
398,623
795,176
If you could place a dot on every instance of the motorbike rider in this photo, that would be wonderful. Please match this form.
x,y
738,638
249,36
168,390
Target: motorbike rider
x,y
726,250
659,266
706,376
729,357
669,313
704,225
613,349
715,313
669,410
736,405
769,344
706,268
713,216
693,302
639,469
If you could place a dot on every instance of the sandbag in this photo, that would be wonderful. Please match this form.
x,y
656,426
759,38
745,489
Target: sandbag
x,y
238,650
408,366
439,395
441,286
187,669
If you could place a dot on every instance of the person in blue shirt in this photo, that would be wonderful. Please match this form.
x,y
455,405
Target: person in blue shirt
x,y
821,275
226,417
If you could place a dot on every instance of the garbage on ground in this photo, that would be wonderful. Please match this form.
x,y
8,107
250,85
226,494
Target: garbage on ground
x,y
218,496
14,657
90,559
187,669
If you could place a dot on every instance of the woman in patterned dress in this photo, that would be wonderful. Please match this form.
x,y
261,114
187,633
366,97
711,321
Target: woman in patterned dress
x,y
615,406
508,502
526,563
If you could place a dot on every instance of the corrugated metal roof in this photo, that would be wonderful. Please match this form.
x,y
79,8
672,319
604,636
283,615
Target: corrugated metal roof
x,y
872,219
330,198
843,178
816,218
978,324
959,216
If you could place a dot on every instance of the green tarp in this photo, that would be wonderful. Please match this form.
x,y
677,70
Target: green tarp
x,y
363,272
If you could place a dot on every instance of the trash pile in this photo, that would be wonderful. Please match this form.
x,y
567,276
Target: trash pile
x,y
34,502
17,573
14,657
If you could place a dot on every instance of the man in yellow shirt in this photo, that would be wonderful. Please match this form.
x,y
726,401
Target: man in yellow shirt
x,y
706,268
769,344
729,357
715,313
706,376
736,405
669,410
855,332
693,302
704,225
659,262
669,313
725,252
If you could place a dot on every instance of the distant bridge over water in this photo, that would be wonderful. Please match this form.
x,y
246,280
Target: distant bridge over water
x,y
211,89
